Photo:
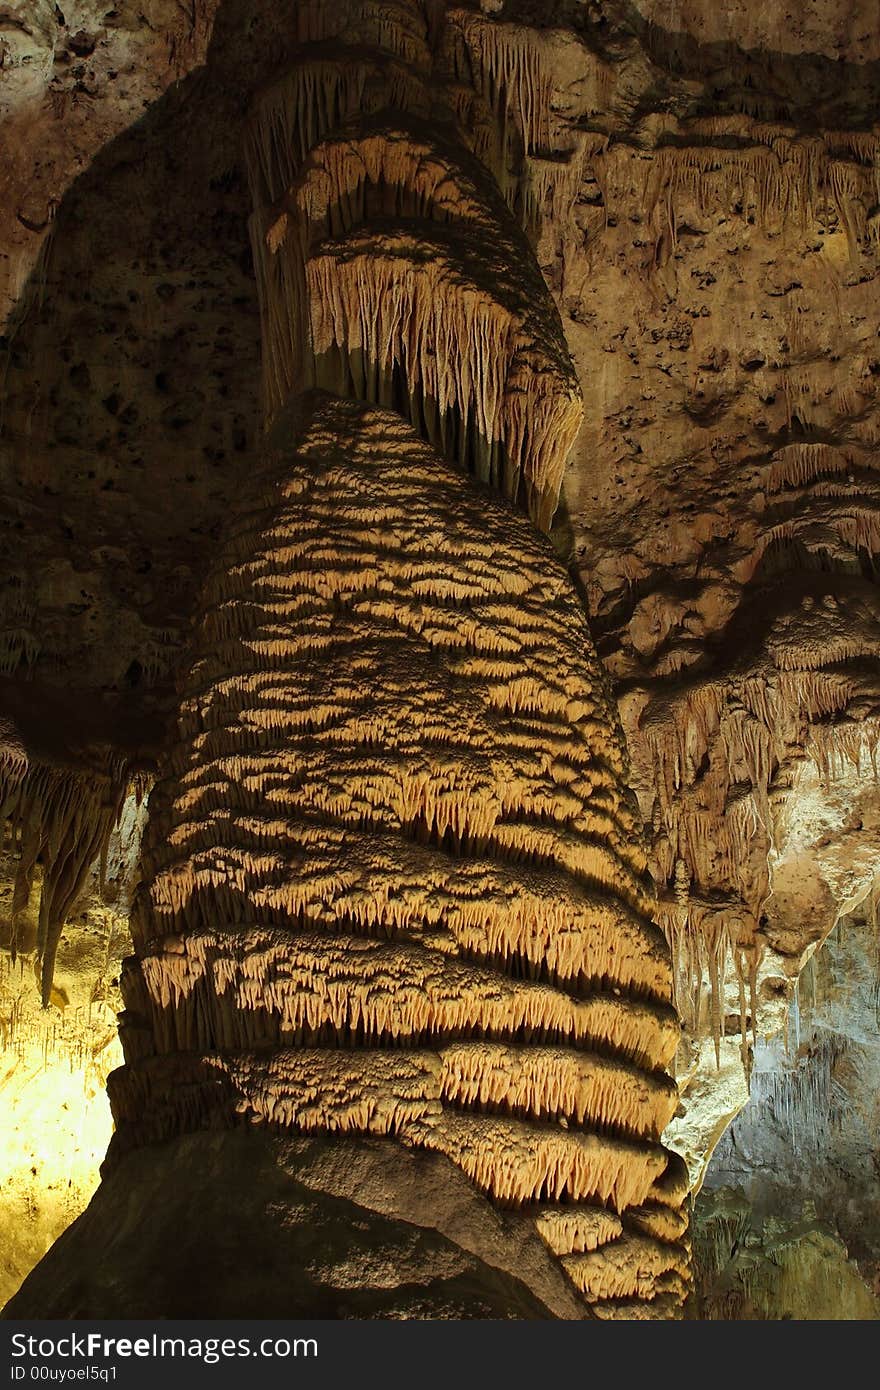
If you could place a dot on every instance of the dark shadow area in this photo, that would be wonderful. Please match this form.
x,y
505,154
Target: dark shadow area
x,y
131,399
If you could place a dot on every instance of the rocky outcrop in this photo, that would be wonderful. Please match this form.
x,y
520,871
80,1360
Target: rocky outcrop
x,y
342,1228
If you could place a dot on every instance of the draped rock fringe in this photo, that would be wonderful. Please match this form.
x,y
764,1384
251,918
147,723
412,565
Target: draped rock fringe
x,y
672,1185
786,177
663,1222
812,645
850,510
802,393
61,819
390,308
861,531
551,185
494,565
478,129
573,1230
370,1089
326,88
519,1162
798,465
557,1082
510,64
387,886
19,646
250,985
428,807
14,761
662,1306
401,301
625,1268
408,155
371,1092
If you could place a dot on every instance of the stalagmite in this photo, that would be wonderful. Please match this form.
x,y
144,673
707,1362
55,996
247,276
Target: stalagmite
x,y
336,878
394,886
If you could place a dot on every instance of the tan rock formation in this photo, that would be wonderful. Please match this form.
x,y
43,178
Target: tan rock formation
x,y
701,189
393,883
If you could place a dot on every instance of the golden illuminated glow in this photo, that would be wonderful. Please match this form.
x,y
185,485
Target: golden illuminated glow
x,y
55,1120
55,1117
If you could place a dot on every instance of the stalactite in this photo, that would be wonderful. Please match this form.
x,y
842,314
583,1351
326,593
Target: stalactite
x,y
411,302
479,130
841,748
19,646
802,1097
784,177
798,465
509,62
551,185
60,818
405,300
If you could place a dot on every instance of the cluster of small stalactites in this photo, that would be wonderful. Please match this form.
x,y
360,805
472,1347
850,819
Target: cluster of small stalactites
x,y
719,746
389,266
394,829
785,180
788,177
58,818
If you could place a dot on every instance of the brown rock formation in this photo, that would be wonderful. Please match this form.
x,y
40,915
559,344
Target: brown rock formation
x,y
393,883
700,187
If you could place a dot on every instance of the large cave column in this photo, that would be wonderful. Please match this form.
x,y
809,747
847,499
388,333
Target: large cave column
x,y
396,963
